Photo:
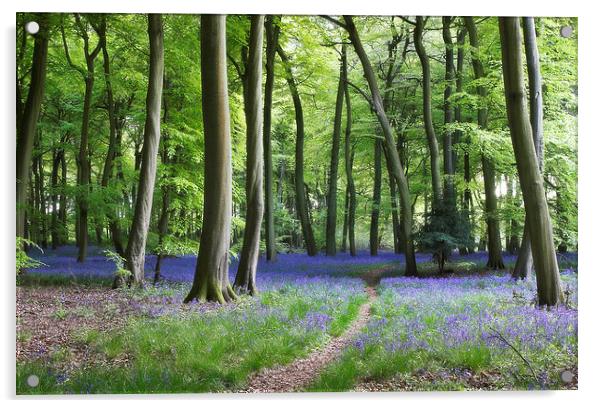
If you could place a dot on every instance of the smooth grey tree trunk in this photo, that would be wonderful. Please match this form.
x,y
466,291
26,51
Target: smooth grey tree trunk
x,y
300,191
524,262
331,216
494,243
427,113
211,282
247,267
531,181
27,125
390,148
148,167
271,33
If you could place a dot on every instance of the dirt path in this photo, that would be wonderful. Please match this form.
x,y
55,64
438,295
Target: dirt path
x,y
300,373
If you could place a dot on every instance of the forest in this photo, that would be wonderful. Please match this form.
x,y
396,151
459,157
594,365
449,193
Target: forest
x,y
277,203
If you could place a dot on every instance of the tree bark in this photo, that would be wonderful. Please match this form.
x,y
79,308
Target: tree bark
x,y
331,216
148,168
427,113
271,32
376,196
300,193
349,153
27,125
211,282
524,262
390,148
494,244
247,267
449,193
531,181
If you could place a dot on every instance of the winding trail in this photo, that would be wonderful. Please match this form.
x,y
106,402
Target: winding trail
x,y
300,373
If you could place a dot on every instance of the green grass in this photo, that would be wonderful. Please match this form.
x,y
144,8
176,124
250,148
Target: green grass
x,y
191,351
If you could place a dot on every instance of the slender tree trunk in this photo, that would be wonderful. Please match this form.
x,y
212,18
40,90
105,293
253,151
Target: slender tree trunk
x,y
64,236
349,154
54,185
345,217
271,32
427,113
247,267
390,148
148,168
42,203
524,262
531,181
376,196
494,244
163,222
109,163
211,282
27,125
331,217
449,193
300,192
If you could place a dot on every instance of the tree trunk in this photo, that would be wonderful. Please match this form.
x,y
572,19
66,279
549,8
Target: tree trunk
x,y
390,148
211,281
272,32
376,195
524,262
531,181
331,217
148,168
449,193
54,185
109,163
300,193
349,153
427,113
247,267
494,244
27,125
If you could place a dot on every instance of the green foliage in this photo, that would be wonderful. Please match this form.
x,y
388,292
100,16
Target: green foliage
x,y
22,260
120,270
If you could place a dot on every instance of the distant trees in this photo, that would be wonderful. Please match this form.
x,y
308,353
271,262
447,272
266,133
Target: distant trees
x,y
96,123
300,190
531,181
494,243
391,154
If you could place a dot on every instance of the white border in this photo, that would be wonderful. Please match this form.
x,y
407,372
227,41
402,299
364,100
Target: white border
x,y
590,148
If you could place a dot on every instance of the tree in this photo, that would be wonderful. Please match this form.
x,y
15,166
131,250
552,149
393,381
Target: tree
x,y
107,171
148,168
247,267
272,32
537,214
390,150
300,190
524,262
350,189
494,243
211,282
331,217
83,158
27,118
376,195
427,112
449,193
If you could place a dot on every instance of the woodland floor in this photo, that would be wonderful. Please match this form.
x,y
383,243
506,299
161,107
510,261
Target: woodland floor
x,y
319,324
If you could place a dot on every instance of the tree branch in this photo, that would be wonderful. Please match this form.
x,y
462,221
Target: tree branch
x,y
335,21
